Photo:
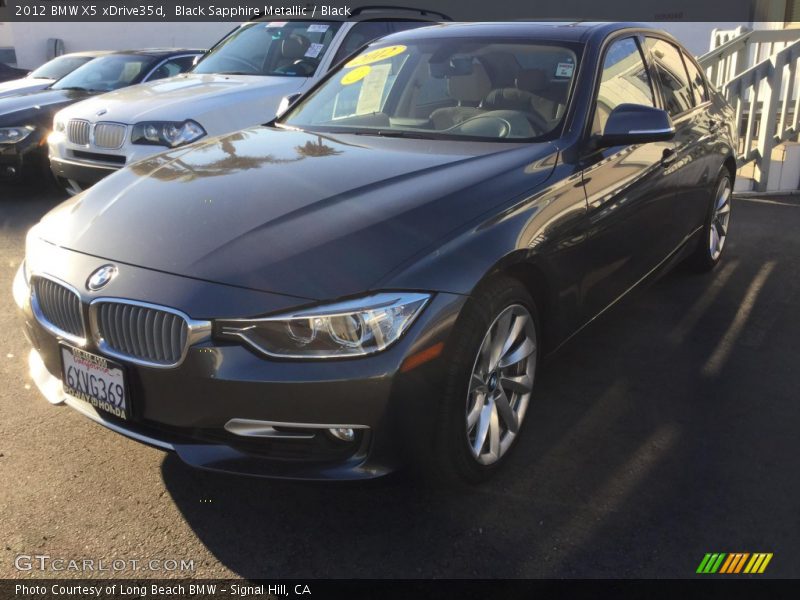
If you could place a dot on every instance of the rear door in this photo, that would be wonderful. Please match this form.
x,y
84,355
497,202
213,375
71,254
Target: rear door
x,y
626,188
688,166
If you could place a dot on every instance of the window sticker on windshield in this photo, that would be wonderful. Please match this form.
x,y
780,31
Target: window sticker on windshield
x,y
370,96
374,56
274,24
317,28
564,69
355,75
314,50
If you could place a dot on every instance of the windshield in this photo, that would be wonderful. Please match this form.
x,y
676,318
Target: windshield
x,y
284,48
58,67
492,90
107,73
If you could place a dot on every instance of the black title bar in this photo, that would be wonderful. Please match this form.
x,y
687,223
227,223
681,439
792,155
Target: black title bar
x,y
458,10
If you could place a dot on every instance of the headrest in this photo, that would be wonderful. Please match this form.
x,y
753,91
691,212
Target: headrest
x,y
295,46
469,88
531,80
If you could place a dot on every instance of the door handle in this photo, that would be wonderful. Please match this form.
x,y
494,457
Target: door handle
x,y
668,157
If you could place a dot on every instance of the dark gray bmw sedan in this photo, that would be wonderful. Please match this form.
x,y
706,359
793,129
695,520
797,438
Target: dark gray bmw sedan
x,y
373,278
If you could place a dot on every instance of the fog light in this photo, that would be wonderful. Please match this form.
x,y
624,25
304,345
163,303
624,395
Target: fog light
x,y
342,433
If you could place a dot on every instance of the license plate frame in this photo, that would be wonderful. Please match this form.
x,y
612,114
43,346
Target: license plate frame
x,y
109,372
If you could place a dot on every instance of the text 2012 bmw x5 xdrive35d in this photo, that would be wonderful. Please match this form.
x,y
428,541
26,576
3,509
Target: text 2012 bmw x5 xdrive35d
x,y
374,277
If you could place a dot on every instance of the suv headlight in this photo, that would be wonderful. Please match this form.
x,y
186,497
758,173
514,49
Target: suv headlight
x,y
344,329
167,133
12,135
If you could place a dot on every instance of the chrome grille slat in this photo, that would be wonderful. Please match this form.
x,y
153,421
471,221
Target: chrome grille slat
x,y
59,306
78,131
147,334
109,135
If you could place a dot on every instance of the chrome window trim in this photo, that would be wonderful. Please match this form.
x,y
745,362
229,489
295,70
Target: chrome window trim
x,y
44,322
164,61
199,331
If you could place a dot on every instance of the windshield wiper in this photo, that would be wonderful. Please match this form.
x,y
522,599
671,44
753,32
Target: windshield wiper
x,y
236,73
75,88
398,133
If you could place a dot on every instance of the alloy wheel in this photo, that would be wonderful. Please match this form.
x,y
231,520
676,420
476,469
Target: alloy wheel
x,y
720,218
500,384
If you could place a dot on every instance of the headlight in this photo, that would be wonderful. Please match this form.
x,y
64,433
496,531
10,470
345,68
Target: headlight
x,y
12,135
351,328
20,289
167,133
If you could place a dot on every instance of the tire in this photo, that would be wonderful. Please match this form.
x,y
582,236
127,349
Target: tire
x,y
715,229
501,304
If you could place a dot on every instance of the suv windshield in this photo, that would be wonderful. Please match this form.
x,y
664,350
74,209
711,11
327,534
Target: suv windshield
x,y
285,48
58,67
107,73
489,89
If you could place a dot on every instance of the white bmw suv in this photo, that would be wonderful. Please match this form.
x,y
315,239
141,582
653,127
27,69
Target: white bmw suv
x,y
239,83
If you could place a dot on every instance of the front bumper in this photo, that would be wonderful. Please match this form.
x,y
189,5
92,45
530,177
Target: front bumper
x,y
187,408
87,164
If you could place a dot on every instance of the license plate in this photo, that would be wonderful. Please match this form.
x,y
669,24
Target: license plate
x,y
96,380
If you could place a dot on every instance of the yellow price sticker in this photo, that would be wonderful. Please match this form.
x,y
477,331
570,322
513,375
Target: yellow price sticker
x,y
355,75
376,55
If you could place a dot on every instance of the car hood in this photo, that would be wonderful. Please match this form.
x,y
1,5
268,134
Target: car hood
x,y
37,106
192,96
312,216
26,84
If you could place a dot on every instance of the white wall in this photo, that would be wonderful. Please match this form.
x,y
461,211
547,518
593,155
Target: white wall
x,y
6,37
30,39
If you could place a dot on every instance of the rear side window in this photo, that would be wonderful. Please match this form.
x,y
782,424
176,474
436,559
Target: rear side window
x,y
698,83
672,76
624,81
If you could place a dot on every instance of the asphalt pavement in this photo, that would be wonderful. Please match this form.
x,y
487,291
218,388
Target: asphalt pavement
x,y
666,430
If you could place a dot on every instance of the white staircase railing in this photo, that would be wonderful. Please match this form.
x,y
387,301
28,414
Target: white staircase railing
x,y
757,71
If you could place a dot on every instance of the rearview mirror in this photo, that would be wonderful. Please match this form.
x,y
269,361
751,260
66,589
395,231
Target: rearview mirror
x,y
636,124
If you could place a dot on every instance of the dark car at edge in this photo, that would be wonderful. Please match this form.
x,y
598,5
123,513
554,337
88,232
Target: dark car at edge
x,y
373,278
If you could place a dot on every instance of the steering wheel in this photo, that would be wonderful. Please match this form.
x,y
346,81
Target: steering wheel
x,y
249,64
483,125
538,122
308,65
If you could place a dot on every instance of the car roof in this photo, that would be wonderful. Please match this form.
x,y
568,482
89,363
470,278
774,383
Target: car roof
x,y
157,52
373,13
579,31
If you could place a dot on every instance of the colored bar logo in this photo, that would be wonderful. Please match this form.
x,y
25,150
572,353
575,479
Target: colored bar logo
x,y
734,563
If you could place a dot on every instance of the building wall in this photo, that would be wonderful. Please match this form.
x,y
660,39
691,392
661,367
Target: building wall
x,y
30,39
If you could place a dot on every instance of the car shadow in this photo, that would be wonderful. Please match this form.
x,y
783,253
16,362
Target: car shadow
x,y
664,431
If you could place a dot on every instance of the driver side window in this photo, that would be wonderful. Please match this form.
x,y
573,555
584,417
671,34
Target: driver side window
x,y
624,80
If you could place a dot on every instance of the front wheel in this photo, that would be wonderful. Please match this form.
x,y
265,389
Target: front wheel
x,y
715,229
494,358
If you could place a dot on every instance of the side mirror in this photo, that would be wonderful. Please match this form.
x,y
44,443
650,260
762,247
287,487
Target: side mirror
x,y
636,124
287,101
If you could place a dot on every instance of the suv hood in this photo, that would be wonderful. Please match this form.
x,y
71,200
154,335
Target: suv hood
x,y
218,102
306,215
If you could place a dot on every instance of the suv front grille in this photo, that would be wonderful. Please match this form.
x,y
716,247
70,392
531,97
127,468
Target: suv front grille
x,y
59,307
109,135
147,334
78,132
